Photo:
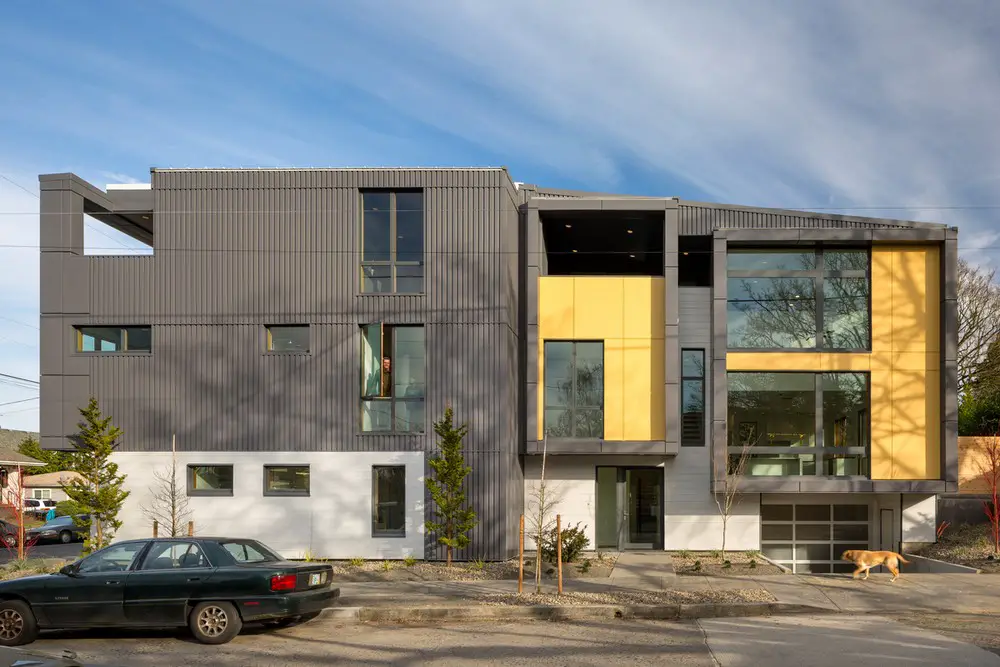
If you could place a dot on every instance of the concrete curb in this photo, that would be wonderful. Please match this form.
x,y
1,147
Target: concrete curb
x,y
934,566
670,612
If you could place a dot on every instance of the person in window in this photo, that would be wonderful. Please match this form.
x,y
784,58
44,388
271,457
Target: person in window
x,y
386,376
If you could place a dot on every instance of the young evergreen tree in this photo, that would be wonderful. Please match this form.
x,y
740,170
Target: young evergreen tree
x,y
451,520
99,491
54,461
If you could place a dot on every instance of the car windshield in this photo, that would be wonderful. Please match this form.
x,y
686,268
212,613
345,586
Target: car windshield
x,y
248,551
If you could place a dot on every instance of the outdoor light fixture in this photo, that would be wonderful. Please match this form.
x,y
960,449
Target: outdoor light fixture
x,y
568,225
629,231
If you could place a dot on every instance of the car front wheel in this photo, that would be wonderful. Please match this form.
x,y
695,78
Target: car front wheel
x,y
17,623
215,622
10,540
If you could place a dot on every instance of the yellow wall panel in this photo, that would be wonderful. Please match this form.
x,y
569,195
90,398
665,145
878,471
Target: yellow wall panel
x,y
882,281
846,362
882,419
915,297
637,386
614,380
598,308
773,361
626,313
909,424
555,308
643,308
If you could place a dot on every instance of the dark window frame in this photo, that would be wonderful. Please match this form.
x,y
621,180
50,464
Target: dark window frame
x,y
78,331
293,493
386,532
269,339
818,274
189,474
393,263
140,567
572,407
820,449
700,441
392,399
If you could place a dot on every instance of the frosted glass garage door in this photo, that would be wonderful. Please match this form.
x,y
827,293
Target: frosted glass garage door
x,y
809,538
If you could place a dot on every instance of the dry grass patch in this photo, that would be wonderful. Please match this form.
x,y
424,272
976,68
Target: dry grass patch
x,y
739,595
590,566
965,544
17,569
734,563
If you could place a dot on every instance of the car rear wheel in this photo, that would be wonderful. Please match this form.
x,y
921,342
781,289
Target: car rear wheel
x,y
17,623
65,537
10,540
215,622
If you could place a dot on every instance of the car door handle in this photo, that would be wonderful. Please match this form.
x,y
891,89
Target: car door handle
x,y
112,582
194,578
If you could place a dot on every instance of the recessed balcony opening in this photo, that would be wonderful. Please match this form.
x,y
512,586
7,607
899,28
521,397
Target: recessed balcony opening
x,y
112,235
694,261
603,243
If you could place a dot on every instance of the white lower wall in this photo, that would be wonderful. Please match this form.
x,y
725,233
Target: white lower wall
x,y
919,518
693,520
691,517
334,521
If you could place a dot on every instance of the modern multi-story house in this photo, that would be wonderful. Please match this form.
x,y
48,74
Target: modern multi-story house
x,y
298,331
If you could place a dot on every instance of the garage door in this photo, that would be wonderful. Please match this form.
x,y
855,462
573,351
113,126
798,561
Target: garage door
x,y
810,538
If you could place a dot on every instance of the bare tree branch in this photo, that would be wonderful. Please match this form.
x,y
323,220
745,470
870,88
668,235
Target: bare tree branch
x,y
735,471
168,504
978,323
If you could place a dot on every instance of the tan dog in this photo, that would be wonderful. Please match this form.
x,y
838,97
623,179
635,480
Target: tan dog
x,y
866,560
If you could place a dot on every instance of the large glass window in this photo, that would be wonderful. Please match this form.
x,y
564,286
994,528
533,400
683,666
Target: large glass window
x,y
692,398
114,339
388,501
800,423
392,230
574,389
794,299
392,378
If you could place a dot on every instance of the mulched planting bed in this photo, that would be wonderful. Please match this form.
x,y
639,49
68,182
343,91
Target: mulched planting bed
x,y
712,563
398,570
970,545
740,595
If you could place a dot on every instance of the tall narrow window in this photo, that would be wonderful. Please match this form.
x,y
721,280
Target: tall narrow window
x,y
392,231
693,398
574,389
388,501
392,378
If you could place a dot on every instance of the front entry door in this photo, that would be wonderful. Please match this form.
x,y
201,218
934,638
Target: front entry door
x,y
629,508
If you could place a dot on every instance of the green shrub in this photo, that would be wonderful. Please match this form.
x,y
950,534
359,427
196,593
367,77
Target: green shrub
x,y
68,508
386,565
585,566
478,564
697,566
726,565
574,543
409,561
684,553
357,562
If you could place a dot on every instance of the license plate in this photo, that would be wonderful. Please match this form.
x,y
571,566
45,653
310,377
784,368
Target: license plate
x,y
314,579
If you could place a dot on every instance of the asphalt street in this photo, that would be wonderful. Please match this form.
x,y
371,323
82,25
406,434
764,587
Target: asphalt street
x,y
816,641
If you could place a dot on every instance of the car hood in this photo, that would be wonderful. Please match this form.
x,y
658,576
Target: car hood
x,y
21,581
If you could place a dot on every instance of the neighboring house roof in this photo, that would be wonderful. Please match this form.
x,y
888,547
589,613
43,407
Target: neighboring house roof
x,y
12,458
11,440
52,479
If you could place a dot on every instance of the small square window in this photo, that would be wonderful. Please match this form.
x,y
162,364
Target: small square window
x,y
210,480
286,480
388,501
288,338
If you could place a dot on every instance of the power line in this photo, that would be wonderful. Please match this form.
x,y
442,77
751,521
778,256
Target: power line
x,y
19,379
23,400
23,324
14,412
18,185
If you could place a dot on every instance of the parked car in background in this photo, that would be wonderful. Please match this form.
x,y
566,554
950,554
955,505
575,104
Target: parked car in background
x,y
212,585
34,507
64,529
8,534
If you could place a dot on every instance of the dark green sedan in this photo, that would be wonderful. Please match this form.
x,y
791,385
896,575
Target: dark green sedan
x,y
213,585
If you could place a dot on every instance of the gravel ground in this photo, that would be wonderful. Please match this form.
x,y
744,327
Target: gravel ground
x,y
965,545
983,630
629,598
598,568
711,563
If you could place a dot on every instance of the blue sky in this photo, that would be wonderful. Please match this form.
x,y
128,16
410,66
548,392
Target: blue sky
x,y
853,105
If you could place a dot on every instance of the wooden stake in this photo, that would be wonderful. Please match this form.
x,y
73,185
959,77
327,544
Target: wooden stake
x,y
156,529
190,528
520,560
559,549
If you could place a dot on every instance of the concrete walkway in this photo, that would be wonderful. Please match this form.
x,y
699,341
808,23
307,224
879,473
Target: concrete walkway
x,y
956,593
650,570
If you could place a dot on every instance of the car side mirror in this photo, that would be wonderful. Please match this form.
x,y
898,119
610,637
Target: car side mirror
x,y
69,570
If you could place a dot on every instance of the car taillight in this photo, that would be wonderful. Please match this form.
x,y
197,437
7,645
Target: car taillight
x,y
283,582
